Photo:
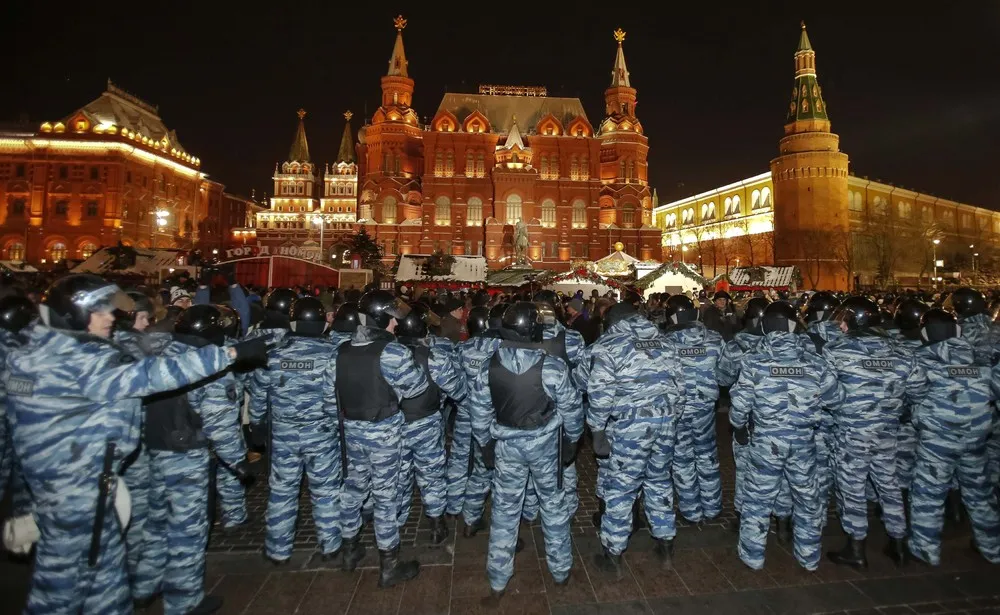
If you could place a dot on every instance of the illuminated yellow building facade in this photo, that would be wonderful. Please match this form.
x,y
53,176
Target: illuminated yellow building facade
x,y
810,212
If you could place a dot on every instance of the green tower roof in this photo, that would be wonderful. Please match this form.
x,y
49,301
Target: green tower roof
x,y
807,97
300,147
346,153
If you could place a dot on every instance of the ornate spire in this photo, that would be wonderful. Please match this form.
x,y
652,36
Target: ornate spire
x,y
619,74
300,146
514,136
346,153
656,199
397,63
807,97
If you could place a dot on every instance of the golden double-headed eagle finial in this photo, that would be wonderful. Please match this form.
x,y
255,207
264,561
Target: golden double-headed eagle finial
x,y
619,35
348,115
399,22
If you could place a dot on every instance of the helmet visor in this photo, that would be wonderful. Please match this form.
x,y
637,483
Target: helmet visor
x,y
104,299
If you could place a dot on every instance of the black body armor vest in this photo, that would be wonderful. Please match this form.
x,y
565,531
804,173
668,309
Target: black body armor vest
x,y
428,402
520,400
362,392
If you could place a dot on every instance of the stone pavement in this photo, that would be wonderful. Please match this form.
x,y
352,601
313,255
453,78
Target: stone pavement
x,y
707,576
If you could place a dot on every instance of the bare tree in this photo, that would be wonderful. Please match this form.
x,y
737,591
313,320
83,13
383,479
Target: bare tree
x,y
844,250
814,246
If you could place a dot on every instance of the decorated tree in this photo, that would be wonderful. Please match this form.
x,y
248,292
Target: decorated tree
x,y
438,264
371,253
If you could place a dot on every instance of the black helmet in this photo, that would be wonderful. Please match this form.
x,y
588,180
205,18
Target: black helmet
x,y
16,311
547,296
496,315
280,300
820,306
721,294
680,309
414,324
346,319
618,312
209,322
908,314
380,307
937,325
231,324
753,311
886,318
858,313
478,322
142,304
308,316
966,302
523,319
70,301
779,316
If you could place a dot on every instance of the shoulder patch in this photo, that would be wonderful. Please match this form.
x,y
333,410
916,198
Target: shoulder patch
x,y
879,365
296,364
963,371
788,372
21,387
693,351
647,344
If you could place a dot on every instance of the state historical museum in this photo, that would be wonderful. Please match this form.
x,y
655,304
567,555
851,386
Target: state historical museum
x,y
508,153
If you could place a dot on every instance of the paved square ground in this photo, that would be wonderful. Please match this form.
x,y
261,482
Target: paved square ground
x,y
707,577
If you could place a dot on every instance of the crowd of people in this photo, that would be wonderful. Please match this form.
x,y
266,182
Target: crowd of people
x,y
124,411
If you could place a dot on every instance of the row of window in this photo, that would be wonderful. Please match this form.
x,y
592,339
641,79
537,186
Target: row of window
x,y
333,189
18,207
291,188
513,210
56,251
904,210
732,206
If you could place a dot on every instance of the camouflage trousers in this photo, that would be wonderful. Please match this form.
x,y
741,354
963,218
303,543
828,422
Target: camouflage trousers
x,y
373,453
477,489
62,582
993,453
826,445
137,479
532,457
570,489
906,454
860,456
423,458
458,474
641,453
232,496
771,459
696,463
11,475
175,534
941,456
315,450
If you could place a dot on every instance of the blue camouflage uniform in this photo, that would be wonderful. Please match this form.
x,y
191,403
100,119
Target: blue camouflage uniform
x,y
176,531
953,423
374,444
304,438
784,388
423,455
527,454
906,438
10,468
232,494
467,491
696,456
984,336
581,376
875,378
728,372
633,388
816,336
72,396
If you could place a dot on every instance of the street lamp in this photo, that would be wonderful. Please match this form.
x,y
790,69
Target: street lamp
x,y
684,250
935,242
975,255
322,227
161,221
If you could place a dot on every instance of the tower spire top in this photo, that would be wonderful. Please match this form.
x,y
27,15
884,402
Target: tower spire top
x,y
300,146
619,74
346,153
804,44
807,103
397,63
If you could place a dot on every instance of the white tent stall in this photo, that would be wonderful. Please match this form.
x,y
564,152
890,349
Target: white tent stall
x,y
672,278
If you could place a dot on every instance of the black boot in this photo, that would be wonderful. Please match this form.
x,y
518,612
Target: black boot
x,y
609,563
638,521
319,557
953,508
596,518
896,550
439,530
472,530
393,571
208,604
664,551
735,527
141,604
853,554
353,552
783,526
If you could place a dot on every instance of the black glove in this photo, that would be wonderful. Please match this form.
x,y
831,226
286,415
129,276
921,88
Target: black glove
x,y
252,350
207,273
742,435
230,272
258,435
602,448
489,452
568,451
242,472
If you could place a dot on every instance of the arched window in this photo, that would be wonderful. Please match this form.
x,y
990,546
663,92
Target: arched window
x,y
628,216
736,205
61,208
765,197
621,170
574,168
554,170
470,165
87,250
904,209
711,210
854,201
474,212
880,207
57,252
579,214
480,165
755,199
512,209
630,170
389,210
16,208
729,206
442,211
14,251
438,164
544,168
584,168
449,164
548,213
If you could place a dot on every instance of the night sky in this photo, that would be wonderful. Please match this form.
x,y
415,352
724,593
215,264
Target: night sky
x,y
914,95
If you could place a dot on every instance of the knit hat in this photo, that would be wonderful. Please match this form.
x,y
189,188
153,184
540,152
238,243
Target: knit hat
x,y
177,293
